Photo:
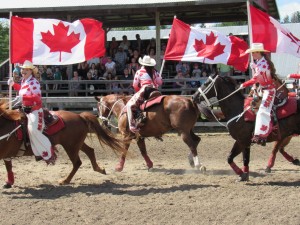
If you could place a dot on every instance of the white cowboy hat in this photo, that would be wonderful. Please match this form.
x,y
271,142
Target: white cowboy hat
x,y
147,61
27,65
256,47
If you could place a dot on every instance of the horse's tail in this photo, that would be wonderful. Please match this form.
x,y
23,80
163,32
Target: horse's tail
x,y
104,135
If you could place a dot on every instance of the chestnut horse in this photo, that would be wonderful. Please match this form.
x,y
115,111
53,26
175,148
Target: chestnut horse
x,y
71,137
231,102
173,112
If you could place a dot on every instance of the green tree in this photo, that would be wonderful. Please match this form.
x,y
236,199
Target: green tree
x,y
130,28
286,19
295,18
228,24
4,41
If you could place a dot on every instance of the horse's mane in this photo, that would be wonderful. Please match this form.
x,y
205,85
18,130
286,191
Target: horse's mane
x,y
233,84
7,113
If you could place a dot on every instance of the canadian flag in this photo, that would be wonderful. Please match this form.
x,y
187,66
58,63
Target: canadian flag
x,y
55,42
191,44
272,34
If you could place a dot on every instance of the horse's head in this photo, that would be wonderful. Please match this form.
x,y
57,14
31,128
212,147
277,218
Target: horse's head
x,y
215,86
110,105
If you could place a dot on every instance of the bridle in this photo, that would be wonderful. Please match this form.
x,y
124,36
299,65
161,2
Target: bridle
x,y
210,105
102,105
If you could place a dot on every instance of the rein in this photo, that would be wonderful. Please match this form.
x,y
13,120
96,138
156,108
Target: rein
x,y
10,133
210,86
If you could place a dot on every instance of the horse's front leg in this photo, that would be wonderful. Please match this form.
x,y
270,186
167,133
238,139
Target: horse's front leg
x,y
287,156
10,175
236,150
246,160
142,146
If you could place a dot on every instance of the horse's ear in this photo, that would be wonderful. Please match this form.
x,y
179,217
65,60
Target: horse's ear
x,y
97,98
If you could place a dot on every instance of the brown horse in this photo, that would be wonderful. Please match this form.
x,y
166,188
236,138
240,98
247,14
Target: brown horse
x,y
173,112
231,102
71,137
215,114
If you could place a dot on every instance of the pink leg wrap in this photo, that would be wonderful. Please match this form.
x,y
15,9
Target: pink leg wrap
x,y
10,178
287,156
271,161
236,169
246,169
120,165
148,161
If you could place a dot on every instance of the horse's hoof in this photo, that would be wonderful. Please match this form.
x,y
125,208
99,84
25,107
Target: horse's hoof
x,y
243,177
150,169
202,168
102,171
63,182
268,170
296,162
150,165
191,160
119,168
7,186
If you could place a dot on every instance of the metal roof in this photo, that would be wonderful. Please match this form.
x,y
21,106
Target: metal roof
x,y
116,13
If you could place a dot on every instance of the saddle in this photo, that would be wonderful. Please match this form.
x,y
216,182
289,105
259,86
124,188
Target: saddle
x,y
282,111
53,124
152,97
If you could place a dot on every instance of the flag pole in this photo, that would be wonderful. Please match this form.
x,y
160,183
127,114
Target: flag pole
x,y
250,33
10,64
162,67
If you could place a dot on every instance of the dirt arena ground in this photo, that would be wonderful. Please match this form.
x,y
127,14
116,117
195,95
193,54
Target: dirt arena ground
x,y
172,193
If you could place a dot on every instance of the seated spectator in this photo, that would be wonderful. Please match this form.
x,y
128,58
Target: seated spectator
x,y
110,67
121,60
75,86
16,76
49,77
82,69
95,60
57,76
115,86
126,88
90,86
93,69
136,55
224,70
180,84
196,72
152,53
133,67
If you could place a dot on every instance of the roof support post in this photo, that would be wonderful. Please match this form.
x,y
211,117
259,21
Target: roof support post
x,y
158,48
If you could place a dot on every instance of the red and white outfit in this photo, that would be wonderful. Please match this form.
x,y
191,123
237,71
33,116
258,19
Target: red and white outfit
x,y
141,80
263,124
30,94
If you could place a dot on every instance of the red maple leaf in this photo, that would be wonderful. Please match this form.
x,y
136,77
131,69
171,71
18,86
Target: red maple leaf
x,y
60,41
209,49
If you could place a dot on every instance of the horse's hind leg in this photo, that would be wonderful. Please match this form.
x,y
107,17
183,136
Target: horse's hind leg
x,y
91,154
10,175
192,141
142,146
287,156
